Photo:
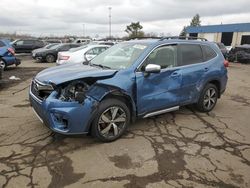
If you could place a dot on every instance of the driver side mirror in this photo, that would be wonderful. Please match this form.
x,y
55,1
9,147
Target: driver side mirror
x,y
153,68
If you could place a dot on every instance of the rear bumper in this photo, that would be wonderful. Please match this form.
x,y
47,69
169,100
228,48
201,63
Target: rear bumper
x,y
64,117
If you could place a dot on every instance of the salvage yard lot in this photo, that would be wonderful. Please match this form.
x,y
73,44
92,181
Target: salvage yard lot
x,y
182,148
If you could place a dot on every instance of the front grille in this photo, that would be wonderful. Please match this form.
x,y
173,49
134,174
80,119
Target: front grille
x,y
40,90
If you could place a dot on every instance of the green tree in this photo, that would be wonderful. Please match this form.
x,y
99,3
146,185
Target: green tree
x,y
183,32
134,30
195,21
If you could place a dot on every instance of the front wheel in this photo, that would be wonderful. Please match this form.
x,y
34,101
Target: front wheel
x,y
2,64
111,120
208,98
50,58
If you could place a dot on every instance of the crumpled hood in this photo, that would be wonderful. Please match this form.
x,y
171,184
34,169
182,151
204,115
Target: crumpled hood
x,y
68,72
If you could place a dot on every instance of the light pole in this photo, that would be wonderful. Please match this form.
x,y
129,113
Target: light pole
x,y
83,29
110,22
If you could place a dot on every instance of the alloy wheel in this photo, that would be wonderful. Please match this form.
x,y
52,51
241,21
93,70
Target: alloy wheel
x,y
210,98
2,64
111,122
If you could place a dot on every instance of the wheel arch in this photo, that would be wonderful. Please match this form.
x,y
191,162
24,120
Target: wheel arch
x,y
101,92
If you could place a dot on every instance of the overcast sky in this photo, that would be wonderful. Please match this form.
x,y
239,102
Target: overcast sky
x,y
59,17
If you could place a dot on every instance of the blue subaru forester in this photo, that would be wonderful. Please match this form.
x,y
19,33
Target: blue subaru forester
x,y
133,79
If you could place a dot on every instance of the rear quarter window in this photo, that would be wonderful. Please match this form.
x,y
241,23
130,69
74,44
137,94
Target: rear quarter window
x,y
189,54
208,52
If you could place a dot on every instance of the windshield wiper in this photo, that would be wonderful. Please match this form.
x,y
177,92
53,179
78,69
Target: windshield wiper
x,y
100,65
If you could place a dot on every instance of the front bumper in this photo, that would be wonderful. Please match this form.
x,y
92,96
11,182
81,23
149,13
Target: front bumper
x,y
64,117
38,57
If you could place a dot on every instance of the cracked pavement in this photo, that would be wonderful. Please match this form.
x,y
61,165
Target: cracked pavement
x,y
179,149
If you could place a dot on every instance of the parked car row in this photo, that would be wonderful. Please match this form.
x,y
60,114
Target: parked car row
x,y
133,79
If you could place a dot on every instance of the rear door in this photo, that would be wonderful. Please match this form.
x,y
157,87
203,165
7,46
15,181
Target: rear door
x,y
28,45
193,68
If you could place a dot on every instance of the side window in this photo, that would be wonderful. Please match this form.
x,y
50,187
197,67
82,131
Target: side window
x,y
165,56
20,42
208,52
74,45
93,51
2,44
90,52
101,49
190,54
65,48
28,42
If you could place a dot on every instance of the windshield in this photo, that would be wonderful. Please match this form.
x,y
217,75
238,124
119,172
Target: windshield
x,y
78,48
120,56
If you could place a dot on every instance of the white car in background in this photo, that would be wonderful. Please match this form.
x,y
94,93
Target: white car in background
x,y
81,54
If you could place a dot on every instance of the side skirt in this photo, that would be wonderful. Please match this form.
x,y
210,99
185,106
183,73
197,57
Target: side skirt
x,y
161,111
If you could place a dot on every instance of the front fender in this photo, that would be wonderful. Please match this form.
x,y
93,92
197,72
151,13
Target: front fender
x,y
100,91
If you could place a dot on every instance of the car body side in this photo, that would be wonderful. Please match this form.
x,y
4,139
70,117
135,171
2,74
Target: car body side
x,y
123,85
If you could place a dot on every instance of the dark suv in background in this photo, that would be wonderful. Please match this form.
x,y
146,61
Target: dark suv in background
x,y
50,55
240,54
27,45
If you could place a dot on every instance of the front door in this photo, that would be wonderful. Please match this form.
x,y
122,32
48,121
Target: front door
x,y
158,91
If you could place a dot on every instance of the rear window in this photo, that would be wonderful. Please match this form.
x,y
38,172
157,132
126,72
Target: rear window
x,y
208,52
221,45
2,44
190,54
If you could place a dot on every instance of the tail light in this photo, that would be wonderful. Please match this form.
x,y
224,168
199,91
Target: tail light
x,y
11,50
64,57
226,63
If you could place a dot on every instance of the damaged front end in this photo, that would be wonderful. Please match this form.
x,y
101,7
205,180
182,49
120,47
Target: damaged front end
x,y
64,108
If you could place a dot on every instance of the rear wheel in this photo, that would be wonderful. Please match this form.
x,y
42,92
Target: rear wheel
x,y
50,58
111,120
208,98
3,64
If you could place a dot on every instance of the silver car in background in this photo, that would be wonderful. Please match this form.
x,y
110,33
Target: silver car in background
x,y
81,54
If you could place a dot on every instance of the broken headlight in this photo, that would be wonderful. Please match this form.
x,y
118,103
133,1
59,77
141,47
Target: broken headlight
x,y
74,91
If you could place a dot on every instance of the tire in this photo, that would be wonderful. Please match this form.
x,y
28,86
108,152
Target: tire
x,y
3,64
50,58
208,98
107,128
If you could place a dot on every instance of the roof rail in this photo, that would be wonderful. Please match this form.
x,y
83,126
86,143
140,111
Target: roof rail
x,y
183,37
140,38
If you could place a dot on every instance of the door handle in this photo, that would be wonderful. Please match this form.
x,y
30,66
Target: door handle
x,y
206,69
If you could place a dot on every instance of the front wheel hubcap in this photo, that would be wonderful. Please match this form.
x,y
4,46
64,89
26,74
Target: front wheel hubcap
x,y
210,98
2,64
111,122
